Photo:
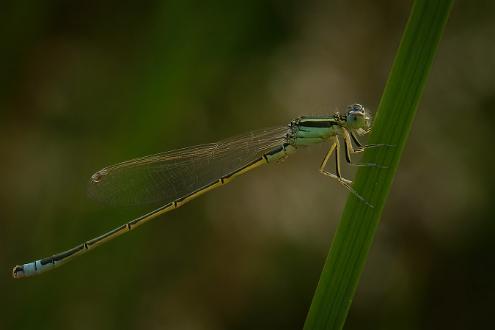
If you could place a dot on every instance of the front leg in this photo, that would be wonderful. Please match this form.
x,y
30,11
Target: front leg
x,y
335,148
349,149
360,147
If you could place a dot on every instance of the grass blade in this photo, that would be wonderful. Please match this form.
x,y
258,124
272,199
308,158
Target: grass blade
x,y
354,235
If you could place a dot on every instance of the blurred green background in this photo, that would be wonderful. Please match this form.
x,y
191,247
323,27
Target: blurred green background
x,y
85,84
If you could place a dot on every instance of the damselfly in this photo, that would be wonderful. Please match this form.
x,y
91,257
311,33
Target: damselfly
x,y
177,177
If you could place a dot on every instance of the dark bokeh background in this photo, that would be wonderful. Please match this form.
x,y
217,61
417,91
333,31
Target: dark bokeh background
x,y
84,84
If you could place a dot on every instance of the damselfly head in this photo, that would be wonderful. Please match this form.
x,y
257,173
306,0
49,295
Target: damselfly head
x,y
358,118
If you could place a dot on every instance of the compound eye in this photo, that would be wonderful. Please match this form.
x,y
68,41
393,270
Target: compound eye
x,y
357,107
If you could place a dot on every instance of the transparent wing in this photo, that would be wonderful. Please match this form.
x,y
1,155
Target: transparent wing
x,y
167,176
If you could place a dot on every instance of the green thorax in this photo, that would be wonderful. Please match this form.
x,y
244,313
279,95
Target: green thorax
x,y
308,130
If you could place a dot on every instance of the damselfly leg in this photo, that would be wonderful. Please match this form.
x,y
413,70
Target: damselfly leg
x,y
361,147
349,149
335,148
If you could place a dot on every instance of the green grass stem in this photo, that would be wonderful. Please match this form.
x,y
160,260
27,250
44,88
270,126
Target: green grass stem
x,y
354,236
